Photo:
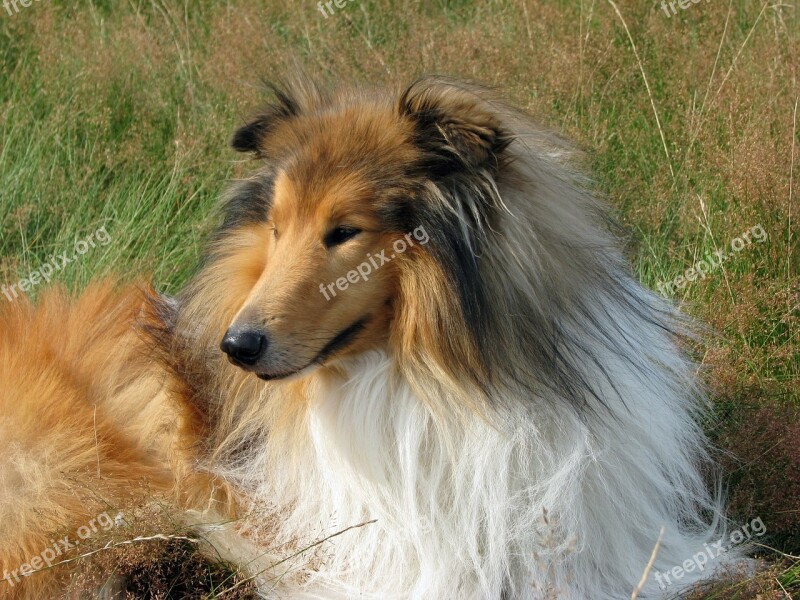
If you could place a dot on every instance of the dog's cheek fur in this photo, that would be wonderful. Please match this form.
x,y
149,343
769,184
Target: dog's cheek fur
x,y
233,266
429,332
247,203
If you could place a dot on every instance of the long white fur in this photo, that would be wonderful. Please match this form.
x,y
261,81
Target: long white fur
x,y
559,510
559,507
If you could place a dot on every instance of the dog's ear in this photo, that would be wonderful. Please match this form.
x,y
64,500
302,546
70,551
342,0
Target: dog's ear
x,y
250,137
455,126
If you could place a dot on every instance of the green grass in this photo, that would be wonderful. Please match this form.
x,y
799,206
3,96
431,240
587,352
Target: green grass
x,y
118,114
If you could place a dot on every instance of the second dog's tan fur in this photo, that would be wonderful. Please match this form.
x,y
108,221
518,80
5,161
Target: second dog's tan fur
x,y
85,424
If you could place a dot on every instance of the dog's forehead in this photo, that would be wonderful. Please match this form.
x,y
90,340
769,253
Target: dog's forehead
x,y
352,136
328,196
341,163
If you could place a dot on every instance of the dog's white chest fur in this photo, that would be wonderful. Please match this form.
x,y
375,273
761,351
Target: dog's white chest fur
x,y
460,508
447,508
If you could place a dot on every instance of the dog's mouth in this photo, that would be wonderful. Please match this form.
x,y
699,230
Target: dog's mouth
x,y
266,377
339,342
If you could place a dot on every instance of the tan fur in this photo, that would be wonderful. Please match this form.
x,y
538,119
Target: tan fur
x,y
86,425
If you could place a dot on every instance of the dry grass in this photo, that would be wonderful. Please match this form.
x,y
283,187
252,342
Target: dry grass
x,y
118,113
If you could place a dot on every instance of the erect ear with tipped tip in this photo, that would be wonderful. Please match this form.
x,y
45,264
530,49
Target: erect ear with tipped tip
x,y
455,126
250,137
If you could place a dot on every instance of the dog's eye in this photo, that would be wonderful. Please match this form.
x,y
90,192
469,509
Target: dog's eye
x,y
340,235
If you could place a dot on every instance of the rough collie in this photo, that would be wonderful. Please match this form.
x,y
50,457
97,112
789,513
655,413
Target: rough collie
x,y
413,327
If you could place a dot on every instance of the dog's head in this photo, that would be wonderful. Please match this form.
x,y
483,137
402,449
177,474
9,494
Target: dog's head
x,y
362,228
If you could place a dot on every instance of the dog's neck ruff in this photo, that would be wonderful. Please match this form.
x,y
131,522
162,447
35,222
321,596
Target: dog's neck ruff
x,y
462,508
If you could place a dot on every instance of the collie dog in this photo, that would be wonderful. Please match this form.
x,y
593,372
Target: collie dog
x,y
414,326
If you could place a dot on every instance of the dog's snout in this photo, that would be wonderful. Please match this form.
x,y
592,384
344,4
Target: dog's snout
x,y
244,345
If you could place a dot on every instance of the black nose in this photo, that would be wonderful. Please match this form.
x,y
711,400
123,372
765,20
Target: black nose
x,y
244,345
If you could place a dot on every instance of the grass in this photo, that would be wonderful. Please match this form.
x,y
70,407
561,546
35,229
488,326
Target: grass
x,y
117,115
